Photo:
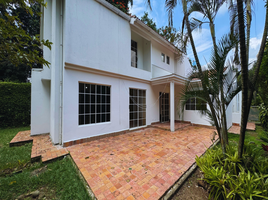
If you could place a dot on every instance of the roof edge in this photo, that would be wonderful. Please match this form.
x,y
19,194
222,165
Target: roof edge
x,y
114,9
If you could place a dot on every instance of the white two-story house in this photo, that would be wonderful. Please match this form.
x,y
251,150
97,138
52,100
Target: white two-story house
x,y
109,73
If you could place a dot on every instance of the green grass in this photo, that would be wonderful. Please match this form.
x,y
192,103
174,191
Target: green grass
x,y
251,136
59,181
13,157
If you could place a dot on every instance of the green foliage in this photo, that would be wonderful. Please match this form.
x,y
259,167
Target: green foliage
x,y
121,4
31,25
15,104
14,39
60,178
149,22
262,81
263,116
168,32
230,177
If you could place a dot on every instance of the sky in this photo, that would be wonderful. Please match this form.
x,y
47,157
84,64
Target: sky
x,y
203,41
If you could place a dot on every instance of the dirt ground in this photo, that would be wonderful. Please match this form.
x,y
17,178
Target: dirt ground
x,y
190,189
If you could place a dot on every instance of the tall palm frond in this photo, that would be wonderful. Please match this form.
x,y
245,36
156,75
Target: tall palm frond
x,y
219,80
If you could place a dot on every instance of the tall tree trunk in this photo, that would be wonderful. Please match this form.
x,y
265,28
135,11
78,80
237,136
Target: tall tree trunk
x,y
224,121
244,73
184,4
259,60
223,116
248,26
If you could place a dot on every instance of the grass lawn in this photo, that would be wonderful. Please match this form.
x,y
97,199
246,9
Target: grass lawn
x,y
56,180
251,136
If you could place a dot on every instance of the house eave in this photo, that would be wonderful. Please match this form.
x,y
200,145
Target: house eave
x,y
103,72
114,9
154,35
177,79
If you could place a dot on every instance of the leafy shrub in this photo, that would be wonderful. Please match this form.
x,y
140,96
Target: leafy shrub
x,y
232,178
15,104
263,116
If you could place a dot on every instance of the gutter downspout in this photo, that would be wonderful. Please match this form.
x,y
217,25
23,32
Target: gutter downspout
x,y
61,72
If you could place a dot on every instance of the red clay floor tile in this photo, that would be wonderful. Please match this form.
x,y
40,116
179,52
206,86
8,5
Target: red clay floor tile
x,y
141,164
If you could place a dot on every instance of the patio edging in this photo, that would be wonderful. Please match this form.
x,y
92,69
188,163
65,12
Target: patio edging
x,y
85,184
172,190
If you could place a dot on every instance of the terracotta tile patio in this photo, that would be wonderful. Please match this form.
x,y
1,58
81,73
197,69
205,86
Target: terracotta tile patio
x,y
236,128
166,125
139,165
42,146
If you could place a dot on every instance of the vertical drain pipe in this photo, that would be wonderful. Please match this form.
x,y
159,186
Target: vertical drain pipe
x,y
61,70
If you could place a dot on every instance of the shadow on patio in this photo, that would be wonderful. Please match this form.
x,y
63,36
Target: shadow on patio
x,y
141,164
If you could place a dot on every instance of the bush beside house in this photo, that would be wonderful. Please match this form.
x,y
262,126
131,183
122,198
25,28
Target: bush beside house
x,y
15,104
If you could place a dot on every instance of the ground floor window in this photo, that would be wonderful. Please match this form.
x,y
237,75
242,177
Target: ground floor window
x,y
94,103
137,108
196,104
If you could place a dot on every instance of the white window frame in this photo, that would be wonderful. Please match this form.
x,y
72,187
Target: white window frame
x,y
94,103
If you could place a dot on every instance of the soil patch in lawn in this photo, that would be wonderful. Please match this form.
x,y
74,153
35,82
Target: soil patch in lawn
x,y
191,190
42,193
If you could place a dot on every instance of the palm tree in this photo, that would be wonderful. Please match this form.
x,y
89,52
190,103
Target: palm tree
x,y
219,76
170,5
209,10
248,85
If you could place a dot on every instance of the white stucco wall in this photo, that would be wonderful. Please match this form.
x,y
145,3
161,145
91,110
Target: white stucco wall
x,y
229,116
236,108
100,39
40,104
119,105
157,50
182,66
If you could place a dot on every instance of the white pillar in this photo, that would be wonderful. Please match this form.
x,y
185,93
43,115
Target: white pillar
x,y
172,116
54,96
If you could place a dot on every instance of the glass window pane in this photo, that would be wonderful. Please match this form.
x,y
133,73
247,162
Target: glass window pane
x,y
81,98
131,124
98,108
87,88
103,108
135,100
81,87
103,89
107,108
98,118
87,109
103,117
103,99
81,120
99,89
108,99
92,119
92,89
86,119
92,109
98,99
81,109
92,98
87,98
108,91
188,107
107,117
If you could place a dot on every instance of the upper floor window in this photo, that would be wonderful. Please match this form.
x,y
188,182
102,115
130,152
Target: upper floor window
x,y
167,59
196,104
163,57
94,103
134,54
